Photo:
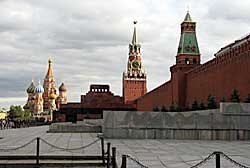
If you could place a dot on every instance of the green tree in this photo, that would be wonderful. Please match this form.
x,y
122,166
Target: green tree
x,y
27,114
172,107
202,106
195,106
187,108
211,102
156,108
223,99
235,96
247,100
163,109
16,112
178,108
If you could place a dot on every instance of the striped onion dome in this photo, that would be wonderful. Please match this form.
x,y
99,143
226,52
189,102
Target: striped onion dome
x,y
39,88
31,88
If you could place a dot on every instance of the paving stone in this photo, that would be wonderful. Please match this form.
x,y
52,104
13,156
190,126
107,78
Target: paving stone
x,y
154,153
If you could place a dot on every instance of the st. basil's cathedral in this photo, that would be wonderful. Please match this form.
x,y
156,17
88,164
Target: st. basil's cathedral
x,y
43,100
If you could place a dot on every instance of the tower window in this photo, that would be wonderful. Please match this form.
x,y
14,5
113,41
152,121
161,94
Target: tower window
x,y
135,48
194,61
186,60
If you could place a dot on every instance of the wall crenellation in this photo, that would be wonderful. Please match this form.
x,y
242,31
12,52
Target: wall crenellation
x,y
218,61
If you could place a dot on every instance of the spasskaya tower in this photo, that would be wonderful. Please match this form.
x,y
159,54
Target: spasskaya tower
x,y
134,78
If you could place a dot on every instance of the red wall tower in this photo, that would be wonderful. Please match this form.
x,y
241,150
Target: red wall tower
x,y
188,57
134,79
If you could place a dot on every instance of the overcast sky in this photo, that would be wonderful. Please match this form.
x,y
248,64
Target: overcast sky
x,y
88,39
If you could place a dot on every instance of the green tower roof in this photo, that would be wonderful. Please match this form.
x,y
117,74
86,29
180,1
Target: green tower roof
x,y
188,44
188,17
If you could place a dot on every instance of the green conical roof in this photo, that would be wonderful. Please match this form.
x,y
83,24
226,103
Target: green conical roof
x,y
187,17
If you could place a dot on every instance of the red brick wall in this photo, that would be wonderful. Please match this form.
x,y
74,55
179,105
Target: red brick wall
x,y
161,96
219,77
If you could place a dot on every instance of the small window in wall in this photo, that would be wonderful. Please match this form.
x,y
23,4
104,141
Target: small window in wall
x,y
186,60
194,61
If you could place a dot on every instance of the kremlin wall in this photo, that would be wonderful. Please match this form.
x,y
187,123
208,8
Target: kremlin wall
x,y
190,81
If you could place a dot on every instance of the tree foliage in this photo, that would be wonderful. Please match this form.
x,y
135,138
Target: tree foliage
x,y
202,106
178,108
172,107
211,102
195,106
163,109
156,108
17,112
235,96
247,100
223,99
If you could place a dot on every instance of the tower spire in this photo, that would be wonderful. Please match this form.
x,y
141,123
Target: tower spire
x,y
188,17
134,38
134,46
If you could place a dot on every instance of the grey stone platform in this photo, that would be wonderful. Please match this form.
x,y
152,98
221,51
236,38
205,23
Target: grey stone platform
x,y
154,153
230,122
79,127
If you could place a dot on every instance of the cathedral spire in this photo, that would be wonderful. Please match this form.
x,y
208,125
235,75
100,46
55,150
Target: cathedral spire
x,y
50,70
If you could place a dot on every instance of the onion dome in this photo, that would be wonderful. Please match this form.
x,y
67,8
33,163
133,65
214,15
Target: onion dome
x,y
39,88
52,96
31,88
62,87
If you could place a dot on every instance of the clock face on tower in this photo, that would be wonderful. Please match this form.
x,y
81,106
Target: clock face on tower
x,y
135,64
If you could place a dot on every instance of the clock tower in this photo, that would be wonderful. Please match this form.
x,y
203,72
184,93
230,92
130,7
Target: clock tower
x,y
134,78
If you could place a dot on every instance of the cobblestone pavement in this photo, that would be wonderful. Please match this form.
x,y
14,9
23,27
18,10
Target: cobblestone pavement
x,y
152,153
